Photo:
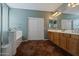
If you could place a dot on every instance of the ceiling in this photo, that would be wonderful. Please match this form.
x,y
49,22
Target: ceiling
x,y
51,7
36,6
70,10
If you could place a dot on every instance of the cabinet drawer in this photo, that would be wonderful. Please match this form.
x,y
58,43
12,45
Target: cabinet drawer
x,y
66,35
75,36
56,35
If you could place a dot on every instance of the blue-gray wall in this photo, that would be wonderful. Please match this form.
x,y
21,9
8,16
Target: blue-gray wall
x,y
19,19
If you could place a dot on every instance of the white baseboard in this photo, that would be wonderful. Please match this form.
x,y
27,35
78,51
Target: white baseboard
x,y
40,39
46,39
24,40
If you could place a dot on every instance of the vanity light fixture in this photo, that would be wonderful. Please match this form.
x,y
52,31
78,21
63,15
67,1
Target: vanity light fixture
x,y
54,15
73,4
59,13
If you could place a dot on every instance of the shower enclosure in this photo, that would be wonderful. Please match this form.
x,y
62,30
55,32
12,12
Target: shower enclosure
x,y
0,30
4,28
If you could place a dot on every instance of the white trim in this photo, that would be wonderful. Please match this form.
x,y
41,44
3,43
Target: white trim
x,y
33,40
24,40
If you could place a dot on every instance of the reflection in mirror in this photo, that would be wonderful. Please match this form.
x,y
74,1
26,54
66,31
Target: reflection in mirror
x,y
76,25
52,24
66,24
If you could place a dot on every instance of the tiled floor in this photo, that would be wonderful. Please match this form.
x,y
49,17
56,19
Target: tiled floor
x,y
39,48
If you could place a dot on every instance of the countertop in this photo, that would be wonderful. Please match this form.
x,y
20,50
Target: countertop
x,y
64,31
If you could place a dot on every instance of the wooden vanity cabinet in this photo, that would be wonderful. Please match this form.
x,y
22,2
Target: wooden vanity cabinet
x,y
68,42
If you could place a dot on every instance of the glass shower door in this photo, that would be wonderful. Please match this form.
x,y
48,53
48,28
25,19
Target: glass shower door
x,y
4,25
0,29
5,32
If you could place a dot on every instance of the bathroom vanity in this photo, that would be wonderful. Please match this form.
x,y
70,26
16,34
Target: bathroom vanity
x,y
67,40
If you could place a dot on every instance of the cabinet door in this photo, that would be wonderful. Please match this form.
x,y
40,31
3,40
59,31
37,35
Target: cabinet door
x,y
49,35
52,36
56,38
62,41
72,46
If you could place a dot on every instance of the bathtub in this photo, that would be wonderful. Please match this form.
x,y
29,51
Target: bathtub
x,y
15,38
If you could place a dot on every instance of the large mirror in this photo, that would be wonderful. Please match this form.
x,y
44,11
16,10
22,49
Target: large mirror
x,y
65,22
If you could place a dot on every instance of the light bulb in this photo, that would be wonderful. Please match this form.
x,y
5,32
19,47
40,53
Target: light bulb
x,y
55,14
69,5
58,13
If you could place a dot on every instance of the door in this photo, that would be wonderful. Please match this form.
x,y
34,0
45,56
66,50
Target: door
x,y
35,28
